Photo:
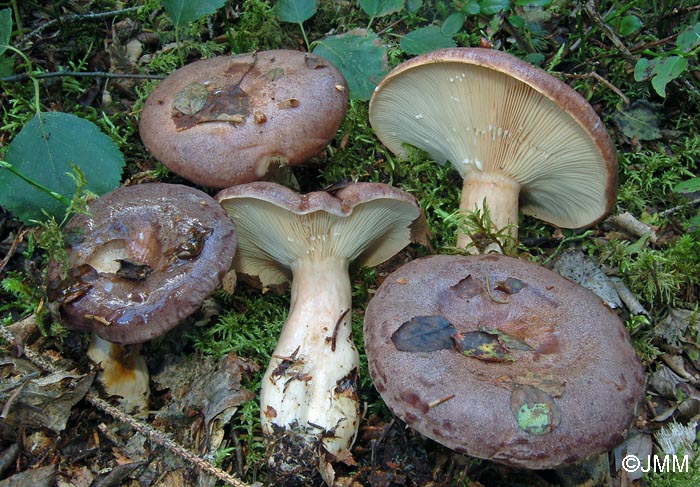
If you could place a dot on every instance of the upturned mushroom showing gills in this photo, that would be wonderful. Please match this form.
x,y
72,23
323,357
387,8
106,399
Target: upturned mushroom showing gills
x,y
519,137
234,119
309,401
143,259
499,359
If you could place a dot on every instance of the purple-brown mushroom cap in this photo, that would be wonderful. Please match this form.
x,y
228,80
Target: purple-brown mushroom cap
x,y
232,119
142,260
503,360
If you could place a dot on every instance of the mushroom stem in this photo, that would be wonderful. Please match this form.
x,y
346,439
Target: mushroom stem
x,y
124,373
309,391
499,194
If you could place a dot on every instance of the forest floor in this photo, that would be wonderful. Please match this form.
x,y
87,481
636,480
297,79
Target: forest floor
x,y
636,62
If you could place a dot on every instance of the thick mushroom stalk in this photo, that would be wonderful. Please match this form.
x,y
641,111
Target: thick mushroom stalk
x,y
310,385
520,138
309,400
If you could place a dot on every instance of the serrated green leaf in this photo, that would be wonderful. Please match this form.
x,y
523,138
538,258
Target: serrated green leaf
x,y
425,39
453,24
5,29
492,7
688,186
629,25
44,151
360,57
689,38
380,8
666,70
184,12
295,11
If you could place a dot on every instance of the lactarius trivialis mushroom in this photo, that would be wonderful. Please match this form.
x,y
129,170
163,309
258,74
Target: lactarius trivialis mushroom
x,y
502,360
233,119
143,259
519,137
309,401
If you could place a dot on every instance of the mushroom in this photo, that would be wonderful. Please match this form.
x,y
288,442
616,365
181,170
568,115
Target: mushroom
x,y
309,402
234,119
502,360
143,259
516,135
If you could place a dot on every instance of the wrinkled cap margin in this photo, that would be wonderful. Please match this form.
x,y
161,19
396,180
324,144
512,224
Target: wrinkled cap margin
x,y
362,222
142,260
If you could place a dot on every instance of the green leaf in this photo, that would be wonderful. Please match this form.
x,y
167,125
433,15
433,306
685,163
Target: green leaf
x,y
295,11
638,120
413,5
380,8
471,7
453,24
492,7
642,69
44,151
694,223
533,3
7,66
665,70
629,25
425,39
688,186
689,38
183,12
360,57
5,29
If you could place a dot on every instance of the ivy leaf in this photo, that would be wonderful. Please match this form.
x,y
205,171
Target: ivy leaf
x,y
425,39
380,8
360,57
295,11
5,29
44,151
184,12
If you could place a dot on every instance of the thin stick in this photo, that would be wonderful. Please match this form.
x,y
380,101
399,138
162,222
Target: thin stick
x,y
599,78
13,248
156,436
79,74
75,17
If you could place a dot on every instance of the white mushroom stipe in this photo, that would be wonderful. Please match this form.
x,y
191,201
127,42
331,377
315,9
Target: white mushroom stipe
x,y
309,402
